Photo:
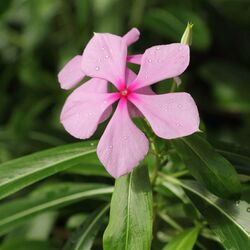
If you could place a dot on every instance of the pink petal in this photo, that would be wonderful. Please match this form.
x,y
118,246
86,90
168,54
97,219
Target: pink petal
x,y
96,85
82,111
132,36
136,59
71,73
133,111
123,145
170,115
131,76
162,62
105,57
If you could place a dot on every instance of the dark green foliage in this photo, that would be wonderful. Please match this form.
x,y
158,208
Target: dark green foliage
x,y
59,198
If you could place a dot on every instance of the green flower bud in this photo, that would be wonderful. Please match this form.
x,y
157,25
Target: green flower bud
x,y
187,35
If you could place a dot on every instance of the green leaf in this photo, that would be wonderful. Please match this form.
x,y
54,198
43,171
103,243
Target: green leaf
x,y
25,245
183,241
208,167
229,220
19,173
46,198
84,237
130,223
92,168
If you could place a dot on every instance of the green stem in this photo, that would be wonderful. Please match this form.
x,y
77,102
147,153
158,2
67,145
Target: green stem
x,y
170,221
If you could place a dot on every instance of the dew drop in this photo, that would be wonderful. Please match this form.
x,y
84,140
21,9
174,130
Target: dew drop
x,y
125,137
103,48
110,146
92,144
178,125
237,203
149,60
179,106
248,209
157,48
107,56
166,107
97,68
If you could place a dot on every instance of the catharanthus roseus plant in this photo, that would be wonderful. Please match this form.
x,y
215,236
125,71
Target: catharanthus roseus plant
x,y
172,189
105,59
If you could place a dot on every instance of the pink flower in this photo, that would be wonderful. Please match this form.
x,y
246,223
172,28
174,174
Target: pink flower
x,y
122,145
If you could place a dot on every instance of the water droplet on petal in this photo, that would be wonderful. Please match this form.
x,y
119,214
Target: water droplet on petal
x,y
125,137
103,48
157,48
248,209
110,146
97,68
107,56
149,60
179,106
178,125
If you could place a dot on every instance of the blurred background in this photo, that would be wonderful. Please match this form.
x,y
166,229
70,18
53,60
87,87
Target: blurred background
x,y
38,37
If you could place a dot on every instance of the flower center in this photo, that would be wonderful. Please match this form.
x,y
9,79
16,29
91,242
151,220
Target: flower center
x,y
124,92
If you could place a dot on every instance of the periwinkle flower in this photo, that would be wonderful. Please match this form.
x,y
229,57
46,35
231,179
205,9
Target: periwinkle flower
x,y
122,145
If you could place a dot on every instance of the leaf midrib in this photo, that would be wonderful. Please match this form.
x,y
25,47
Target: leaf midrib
x,y
128,211
48,166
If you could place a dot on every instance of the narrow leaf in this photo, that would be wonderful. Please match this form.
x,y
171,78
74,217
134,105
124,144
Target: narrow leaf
x,y
49,197
208,167
19,173
130,223
183,241
229,220
84,237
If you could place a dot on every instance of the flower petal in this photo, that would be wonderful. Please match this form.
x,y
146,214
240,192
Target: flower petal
x,y
136,59
96,85
71,73
133,111
131,36
170,115
105,57
162,62
82,111
122,145
131,76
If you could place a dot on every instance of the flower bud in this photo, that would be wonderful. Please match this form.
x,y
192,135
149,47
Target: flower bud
x,y
187,35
